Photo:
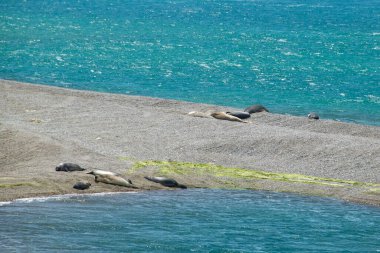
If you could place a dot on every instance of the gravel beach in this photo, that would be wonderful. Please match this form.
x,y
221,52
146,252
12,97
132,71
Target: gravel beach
x,y
42,126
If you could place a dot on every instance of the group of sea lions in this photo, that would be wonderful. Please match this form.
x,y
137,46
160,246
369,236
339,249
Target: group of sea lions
x,y
240,116
109,177
113,178
231,116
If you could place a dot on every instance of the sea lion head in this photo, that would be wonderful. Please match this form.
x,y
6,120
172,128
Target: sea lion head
x,y
59,167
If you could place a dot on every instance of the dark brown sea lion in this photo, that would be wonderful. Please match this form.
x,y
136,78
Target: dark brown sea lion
x,y
68,167
313,115
168,182
256,108
240,115
82,185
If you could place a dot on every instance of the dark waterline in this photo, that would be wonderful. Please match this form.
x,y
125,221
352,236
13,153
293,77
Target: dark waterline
x,y
190,220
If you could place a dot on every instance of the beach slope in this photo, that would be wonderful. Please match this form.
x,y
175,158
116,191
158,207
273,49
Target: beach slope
x,y
41,126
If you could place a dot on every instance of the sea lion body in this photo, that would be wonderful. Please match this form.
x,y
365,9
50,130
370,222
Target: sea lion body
x,y
114,180
103,173
255,109
168,182
109,177
313,115
225,116
68,167
240,115
82,185
200,114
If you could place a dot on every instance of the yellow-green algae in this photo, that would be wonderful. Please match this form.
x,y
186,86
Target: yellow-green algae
x,y
13,185
375,191
167,168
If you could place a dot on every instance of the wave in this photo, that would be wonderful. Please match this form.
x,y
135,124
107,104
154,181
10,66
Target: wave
x,y
60,197
373,98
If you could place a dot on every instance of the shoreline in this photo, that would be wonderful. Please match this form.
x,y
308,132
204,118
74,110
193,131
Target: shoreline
x,y
42,126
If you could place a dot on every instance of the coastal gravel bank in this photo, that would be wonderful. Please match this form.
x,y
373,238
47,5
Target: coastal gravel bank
x,y
41,126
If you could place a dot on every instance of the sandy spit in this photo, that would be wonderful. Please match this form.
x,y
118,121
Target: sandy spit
x,y
41,126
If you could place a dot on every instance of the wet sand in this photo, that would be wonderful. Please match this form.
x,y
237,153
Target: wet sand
x,y
41,126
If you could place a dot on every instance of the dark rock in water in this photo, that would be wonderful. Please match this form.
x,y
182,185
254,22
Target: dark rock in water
x,y
313,115
255,109
68,167
82,185
168,182
240,115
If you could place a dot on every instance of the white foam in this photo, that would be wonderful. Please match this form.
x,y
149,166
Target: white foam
x,y
289,53
374,99
59,58
60,197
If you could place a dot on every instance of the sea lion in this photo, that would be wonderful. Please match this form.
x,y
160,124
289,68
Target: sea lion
x,y
200,114
102,173
313,115
168,182
256,108
225,116
114,180
82,185
109,177
240,115
68,167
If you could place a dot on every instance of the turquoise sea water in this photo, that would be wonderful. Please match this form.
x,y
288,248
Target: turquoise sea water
x,y
189,221
293,56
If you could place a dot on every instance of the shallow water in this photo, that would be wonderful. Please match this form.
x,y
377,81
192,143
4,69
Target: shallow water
x,y
189,220
293,56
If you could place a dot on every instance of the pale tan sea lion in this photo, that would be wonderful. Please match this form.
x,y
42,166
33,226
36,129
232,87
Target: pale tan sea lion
x,y
200,114
109,177
114,180
102,173
225,116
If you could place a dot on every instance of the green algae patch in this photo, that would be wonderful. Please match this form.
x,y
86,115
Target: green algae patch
x,y
374,191
172,168
13,185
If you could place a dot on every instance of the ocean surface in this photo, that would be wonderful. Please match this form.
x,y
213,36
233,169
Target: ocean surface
x,y
188,221
293,56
